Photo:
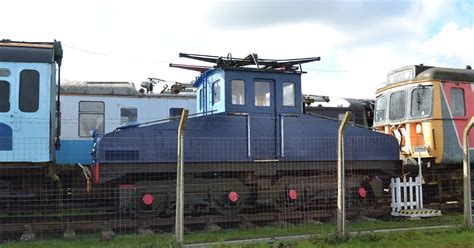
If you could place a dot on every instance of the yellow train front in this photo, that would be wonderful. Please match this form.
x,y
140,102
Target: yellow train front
x,y
427,108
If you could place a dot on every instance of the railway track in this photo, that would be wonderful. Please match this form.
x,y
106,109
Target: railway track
x,y
128,223
14,226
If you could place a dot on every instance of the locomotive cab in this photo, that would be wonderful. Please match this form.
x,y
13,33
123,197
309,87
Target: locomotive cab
x,y
248,91
426,109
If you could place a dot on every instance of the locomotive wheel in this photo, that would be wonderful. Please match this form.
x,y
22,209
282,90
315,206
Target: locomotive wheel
x,y
289,194
364,190
305,192
149,199
228,196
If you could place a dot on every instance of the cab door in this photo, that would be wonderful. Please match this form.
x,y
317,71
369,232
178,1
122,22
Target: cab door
x,y
7,96
263,121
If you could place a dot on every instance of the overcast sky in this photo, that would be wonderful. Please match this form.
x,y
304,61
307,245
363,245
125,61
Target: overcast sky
x,y
358,41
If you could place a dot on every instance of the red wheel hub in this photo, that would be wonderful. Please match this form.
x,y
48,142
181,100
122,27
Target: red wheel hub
x,y
293,194
233,196
362,192
147,199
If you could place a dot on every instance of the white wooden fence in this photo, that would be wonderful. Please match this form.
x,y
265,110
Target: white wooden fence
x,y
406,194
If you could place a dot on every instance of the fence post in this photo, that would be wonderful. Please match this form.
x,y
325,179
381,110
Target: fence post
x,y
467,177
179,225
341,203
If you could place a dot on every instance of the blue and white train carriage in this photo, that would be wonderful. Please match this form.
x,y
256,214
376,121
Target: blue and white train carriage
x,y
27,101
28,110
34,140
105,106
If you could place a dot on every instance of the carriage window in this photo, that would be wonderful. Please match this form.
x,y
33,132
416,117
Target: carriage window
x,y
128,115
288,94
380,109
4,96
397,105
4,72
216,92
29,91
340,117
457,102
238,92
176,112
262,94
91,117
421,101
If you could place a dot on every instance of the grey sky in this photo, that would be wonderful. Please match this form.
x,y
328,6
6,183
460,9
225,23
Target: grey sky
x,y
346,15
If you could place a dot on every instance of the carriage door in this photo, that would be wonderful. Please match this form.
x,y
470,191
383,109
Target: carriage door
x,y
263,122
30,107
7,86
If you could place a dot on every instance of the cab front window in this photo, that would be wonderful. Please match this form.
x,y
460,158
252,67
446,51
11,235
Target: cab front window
x,y
421,101
380,109
397,105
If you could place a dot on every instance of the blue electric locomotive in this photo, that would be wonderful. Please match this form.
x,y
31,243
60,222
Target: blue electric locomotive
x,y
251,145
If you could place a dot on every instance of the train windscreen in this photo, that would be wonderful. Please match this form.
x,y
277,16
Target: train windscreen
x,y
380,108
397,109
421,101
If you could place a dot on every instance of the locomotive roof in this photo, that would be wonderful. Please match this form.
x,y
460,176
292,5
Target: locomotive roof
x,y
451,74
40,52
417,73
110,89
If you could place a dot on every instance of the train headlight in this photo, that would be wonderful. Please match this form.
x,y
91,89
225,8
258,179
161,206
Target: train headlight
x,y
419,129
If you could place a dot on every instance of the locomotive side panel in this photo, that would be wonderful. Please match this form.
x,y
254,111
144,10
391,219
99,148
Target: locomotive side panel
x,y
457,108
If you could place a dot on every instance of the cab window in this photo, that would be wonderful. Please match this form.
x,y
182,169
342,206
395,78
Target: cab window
x,y
216,92
457,102
397,105
288,94
4,96
421,101
4,72
201,99
238,92
29,91
380,108
262,94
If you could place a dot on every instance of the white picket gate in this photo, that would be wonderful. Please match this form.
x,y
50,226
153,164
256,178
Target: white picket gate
x,y
407,198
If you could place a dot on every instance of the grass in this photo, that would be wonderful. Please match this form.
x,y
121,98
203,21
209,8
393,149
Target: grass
x,y
93,241
445,237
456,219
322,236
452,237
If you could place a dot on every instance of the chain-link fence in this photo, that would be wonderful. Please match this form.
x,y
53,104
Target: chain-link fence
x,y
290,190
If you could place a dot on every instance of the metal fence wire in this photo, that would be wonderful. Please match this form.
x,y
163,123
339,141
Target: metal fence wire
x,y
224,188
